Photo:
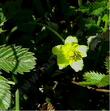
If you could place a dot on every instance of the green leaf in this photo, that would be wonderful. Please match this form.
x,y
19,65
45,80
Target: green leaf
x,y
93,41
97,11
104,81
94,8
5,94
2,17
16,59
84,9
105,18
107,64
1,30
97,79
90,39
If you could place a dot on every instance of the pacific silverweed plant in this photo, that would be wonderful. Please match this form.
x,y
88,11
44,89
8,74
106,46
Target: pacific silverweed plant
x,y
71,53
41,67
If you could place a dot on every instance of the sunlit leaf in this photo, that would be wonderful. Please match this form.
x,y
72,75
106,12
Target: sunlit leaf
x,y
97,79
5,94
16,59
98,11
105,18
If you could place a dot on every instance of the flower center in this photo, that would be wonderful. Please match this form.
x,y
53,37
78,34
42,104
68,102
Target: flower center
x,y
71,52
75,56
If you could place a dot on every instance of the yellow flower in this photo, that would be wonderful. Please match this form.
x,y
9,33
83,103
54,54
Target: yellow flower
x,y
71,53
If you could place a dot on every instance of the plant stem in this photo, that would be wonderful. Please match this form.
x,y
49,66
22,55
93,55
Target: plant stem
x,y
95,89
56,33
99,21
49,28
105,27
52,30
17,105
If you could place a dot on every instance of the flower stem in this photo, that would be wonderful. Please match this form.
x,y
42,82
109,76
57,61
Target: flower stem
x,y
52,30
56,33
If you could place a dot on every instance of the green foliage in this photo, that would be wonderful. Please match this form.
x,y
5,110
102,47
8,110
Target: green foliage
x,y
98,14
2,17
107,64
40,25
95,8
96,79
5,94
2,20
70,54
16,59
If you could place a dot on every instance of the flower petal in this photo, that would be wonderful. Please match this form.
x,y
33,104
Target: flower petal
x,y
71,39
83,49
62,66
57,49
62,61
77,66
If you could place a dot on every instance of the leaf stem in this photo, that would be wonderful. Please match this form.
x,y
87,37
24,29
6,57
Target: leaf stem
x,y
95,89
17,104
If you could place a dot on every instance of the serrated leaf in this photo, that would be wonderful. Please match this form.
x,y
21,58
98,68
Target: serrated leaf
x,y
93,76
104,81
97,79
16,59
107,64
5,94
